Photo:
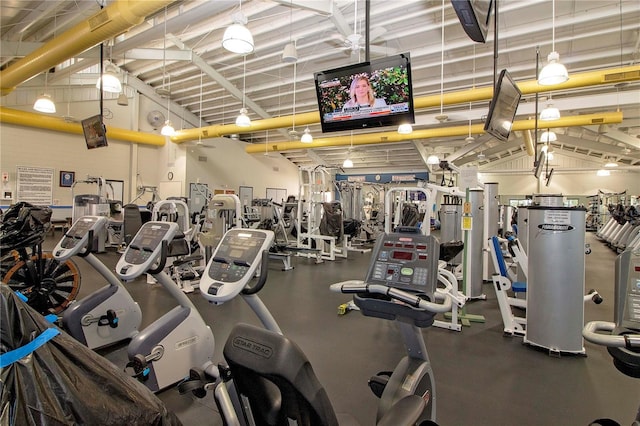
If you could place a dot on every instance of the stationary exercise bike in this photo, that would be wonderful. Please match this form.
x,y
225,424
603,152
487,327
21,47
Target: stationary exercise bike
x,y
276,382
109,314
622,337
163,353
240,255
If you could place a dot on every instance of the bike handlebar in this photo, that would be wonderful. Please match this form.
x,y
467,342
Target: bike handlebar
x,y
591,332
355,286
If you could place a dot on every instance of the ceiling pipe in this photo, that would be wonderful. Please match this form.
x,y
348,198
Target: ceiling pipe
x,y
102,25
577,80
391,137
40,121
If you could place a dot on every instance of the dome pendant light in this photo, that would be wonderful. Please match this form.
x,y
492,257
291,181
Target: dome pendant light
x,y
550,113
405,129
44,103
347,163
307,137
237,38
554,72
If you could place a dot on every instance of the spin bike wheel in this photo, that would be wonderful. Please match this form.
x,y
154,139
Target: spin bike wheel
x,y
49,292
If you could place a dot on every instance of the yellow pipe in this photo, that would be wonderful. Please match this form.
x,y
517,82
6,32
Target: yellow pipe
x,y
30,119
391,137
529,144
103,25
577,80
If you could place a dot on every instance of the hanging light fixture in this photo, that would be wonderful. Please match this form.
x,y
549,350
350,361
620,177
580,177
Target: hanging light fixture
x,y
290,54
122,97
237,38
307,137
433,159
110,82
44,103
554,72
548,136
603,172
243,119
611,164
405,129
550,112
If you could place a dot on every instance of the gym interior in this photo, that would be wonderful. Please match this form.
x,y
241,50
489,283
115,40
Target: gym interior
x,y
489,252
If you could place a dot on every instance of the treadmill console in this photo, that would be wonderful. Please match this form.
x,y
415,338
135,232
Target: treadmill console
x,y
627,304
407,261
145,249
234,263
76,239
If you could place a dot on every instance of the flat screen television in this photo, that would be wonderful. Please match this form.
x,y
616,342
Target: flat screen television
x,y
503,107
549,176
369,94
95,133
474,15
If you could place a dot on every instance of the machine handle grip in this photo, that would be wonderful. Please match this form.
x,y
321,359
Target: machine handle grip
x,y
262,279
592,333
90,248
163,259
394,293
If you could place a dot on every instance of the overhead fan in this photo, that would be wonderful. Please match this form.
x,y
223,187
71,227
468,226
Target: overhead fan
x,y
156,119
353,43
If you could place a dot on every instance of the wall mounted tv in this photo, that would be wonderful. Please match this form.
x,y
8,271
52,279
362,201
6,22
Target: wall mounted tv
x,y
503,107
369,94
95,133
474,15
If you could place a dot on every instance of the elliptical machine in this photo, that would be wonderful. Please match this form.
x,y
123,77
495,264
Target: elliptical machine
x,y
163,353
109,314
622,337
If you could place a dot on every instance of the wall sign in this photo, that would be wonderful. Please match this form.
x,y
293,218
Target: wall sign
x,y
34,185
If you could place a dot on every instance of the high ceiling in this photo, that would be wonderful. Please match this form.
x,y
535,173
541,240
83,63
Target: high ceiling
x,y
183,56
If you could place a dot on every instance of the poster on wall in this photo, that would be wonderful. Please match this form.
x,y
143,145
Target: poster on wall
x,y
34,185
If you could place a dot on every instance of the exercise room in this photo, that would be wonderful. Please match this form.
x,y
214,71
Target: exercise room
x,y
320,212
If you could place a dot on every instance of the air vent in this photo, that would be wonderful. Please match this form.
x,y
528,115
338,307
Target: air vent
x,y
202,158
597,120
622,76
98,20
205,133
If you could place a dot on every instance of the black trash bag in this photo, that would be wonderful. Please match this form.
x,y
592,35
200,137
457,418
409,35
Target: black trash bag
x,y
331,221
63,382
24,225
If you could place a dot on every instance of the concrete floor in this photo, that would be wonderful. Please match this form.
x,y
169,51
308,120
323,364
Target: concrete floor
x,y
482,377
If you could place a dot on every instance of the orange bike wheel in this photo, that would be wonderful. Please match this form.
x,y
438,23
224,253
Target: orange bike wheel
x,y
50,292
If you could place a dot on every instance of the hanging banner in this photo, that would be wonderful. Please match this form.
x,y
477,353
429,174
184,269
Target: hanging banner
x,y
34,185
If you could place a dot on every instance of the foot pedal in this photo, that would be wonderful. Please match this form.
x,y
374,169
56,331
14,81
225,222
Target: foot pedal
x,y
194,384
378,382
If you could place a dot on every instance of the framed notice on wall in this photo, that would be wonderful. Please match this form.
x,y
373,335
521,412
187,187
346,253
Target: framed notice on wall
x,y
34,185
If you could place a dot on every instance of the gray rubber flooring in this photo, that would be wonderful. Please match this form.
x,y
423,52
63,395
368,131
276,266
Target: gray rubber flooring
x,y
482,377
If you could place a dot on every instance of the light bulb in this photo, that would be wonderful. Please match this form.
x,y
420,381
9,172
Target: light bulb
x,y
243,119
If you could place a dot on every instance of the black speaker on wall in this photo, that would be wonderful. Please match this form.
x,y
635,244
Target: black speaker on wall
x,y
474,15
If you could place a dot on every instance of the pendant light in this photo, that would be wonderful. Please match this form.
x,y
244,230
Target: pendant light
x,y
550,112
110,81
237,38
433,159
307,137
289,53
44,103
243,119
554,72
167,129
548,137
405,129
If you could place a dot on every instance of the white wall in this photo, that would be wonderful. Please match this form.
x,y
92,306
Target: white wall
x,y
224,164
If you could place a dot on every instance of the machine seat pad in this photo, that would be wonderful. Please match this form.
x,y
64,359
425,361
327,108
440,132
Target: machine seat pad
x,y
255,354
519,287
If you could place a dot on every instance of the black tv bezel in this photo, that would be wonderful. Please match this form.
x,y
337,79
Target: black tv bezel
x,y
103,134
396,119
474,21
491,121
549,176
538,170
